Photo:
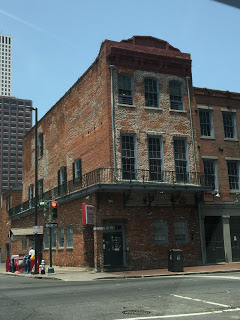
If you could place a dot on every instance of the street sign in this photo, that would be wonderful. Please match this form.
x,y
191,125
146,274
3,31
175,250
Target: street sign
x,y
51,225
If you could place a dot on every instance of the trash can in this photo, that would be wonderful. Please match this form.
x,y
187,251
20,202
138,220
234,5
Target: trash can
x,y
175,260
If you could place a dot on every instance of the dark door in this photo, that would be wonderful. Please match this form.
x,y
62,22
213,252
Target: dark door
x,y
235,237
113,249
214,239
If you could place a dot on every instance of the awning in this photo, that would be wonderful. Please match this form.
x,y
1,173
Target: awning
x,y
25,231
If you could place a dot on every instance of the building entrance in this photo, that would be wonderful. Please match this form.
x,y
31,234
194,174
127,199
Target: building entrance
x,y
113,246
235,237
214,239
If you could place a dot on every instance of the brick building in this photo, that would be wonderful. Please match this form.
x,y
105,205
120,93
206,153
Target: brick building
x,y
125,140
218,144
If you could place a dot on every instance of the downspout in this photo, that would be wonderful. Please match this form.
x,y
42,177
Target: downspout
x,y
111,67
191,121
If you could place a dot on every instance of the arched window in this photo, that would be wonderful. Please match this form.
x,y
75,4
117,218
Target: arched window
x,y
176,95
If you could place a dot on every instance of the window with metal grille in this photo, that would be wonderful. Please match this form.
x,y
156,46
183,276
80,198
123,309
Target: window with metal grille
x,y
160,231
233,174
229,123
128,156
125,89
176,95
155,158
151,93
210,172
180,231
206,126
181,162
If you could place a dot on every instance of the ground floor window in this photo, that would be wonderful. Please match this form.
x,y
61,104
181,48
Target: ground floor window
x,y
69,230
24,244
160,231
60,237
180,231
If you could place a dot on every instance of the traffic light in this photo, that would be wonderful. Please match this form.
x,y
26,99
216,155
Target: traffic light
x,y
54,209
45,213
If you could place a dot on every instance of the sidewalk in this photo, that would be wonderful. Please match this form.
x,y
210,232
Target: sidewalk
x,y
82,274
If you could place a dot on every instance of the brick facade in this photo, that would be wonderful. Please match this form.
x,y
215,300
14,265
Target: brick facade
x,y
88,123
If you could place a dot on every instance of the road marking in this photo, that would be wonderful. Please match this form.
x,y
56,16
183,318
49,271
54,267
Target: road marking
x,y
182,315
209,302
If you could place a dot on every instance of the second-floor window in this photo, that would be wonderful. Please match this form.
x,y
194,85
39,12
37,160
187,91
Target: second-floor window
x,y
229,123
155,158
62,180
40,144
210,176
40,189
8,203
176,95
233,175
77,170
151,93
128,146
206,125
125,89
30,195
181,159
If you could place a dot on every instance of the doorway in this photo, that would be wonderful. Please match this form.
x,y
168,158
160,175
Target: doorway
x,y
214,239
113,246
235,237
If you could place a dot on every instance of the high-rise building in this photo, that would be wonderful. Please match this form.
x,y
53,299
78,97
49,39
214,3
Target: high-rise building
x,y
15,122
5,65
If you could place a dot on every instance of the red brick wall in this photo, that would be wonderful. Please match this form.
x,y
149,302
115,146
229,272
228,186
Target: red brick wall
x,y
78,126
218,100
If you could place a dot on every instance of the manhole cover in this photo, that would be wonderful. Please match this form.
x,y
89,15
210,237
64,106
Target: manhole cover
x,y
136,312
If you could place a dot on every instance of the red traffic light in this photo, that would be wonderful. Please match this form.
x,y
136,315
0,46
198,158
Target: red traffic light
x,y
54,204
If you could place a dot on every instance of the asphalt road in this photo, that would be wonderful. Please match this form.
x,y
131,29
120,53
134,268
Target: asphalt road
x,y
205,297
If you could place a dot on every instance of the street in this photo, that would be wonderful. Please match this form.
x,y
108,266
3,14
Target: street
x,y
200,296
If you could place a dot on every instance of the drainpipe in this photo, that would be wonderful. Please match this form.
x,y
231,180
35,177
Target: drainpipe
x,y
111,67
191,121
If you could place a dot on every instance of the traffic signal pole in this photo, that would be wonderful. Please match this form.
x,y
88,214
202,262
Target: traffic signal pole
x,y
52,207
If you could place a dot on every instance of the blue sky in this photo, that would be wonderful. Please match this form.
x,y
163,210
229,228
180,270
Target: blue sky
x,y
55,41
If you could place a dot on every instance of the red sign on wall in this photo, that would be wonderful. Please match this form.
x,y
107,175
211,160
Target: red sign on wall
x,y
87,214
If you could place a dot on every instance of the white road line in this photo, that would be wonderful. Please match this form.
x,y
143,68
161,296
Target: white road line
x,y
209,302
181,315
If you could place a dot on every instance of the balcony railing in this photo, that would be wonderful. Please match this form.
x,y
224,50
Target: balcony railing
x,y
117,176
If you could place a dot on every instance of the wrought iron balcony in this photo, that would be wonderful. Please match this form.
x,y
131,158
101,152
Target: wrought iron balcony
x,y
115,177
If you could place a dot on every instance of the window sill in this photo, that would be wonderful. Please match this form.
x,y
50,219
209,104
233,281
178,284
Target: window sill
x,y
126,105
69,248
231,139
207,138
153,108
178,111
